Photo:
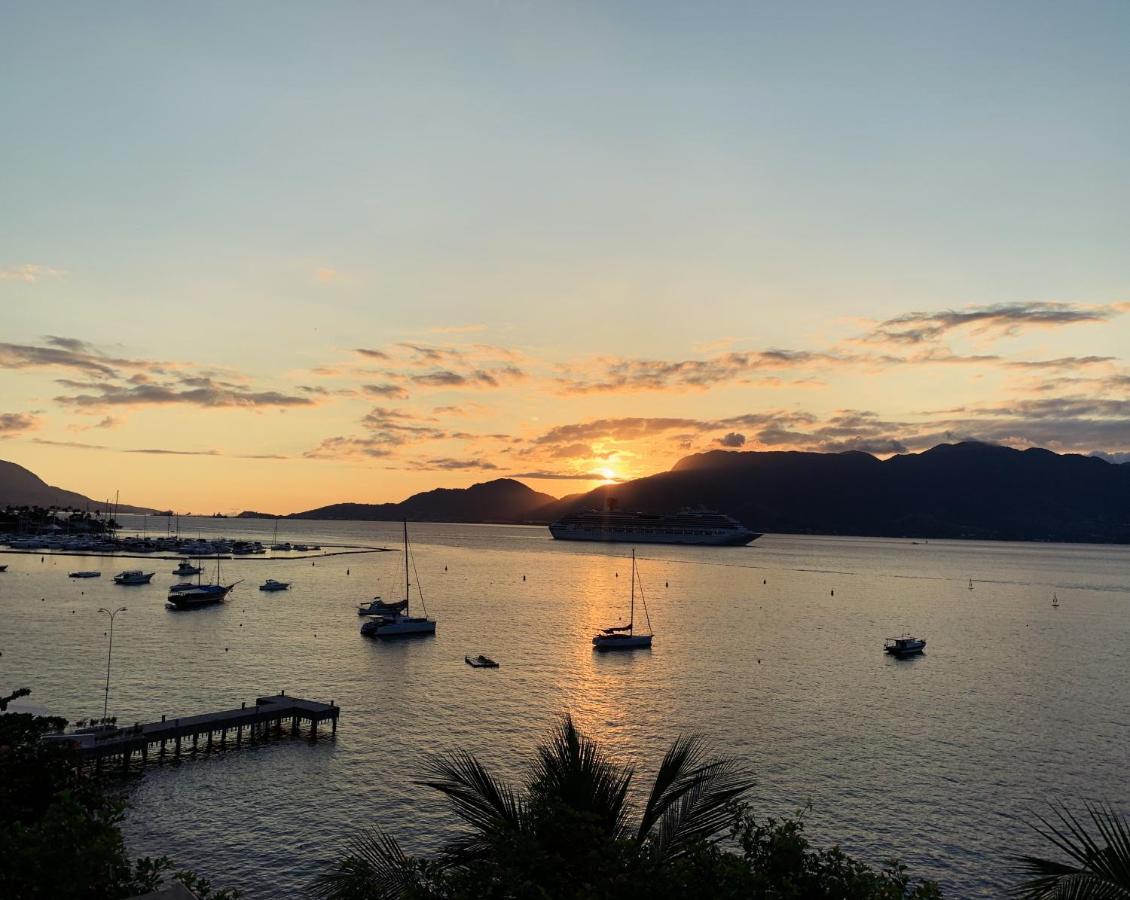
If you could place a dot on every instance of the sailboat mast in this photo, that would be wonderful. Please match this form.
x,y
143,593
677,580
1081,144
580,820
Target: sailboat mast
x,y
632,614
407,583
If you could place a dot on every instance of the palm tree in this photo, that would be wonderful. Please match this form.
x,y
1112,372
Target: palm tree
x,y
572,820
1099,867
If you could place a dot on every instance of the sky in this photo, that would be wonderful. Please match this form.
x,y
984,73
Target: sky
x,y
277,255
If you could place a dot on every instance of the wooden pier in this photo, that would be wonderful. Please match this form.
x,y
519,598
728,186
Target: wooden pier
x,y
231,728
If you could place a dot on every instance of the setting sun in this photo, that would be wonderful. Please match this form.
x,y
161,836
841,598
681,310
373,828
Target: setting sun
x,y
607,475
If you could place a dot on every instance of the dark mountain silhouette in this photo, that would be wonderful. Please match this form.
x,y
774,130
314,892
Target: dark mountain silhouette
x,y
502,500
20,487
968,490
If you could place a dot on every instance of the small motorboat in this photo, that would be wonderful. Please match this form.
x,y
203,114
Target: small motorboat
x,y
377,607
84,575
271,585
301,548
3,568
186,568
907,645
480,662
133,576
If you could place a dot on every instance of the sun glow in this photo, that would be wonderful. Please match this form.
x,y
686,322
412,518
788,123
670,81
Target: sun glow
x,y
607,475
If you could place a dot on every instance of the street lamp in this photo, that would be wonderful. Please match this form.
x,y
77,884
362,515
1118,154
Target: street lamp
x,y
109,653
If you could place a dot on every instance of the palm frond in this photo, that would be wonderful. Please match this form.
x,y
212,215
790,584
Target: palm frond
x,y
698,806
1097,871
671,781
574,771
483,801
374,868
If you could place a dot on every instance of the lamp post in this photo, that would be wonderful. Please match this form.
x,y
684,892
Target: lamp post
x,y
109,654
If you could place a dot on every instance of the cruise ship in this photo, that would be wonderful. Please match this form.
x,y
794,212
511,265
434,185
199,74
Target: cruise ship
x,y
686,527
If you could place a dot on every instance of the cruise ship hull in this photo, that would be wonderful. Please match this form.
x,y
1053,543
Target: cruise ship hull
x,y
737,538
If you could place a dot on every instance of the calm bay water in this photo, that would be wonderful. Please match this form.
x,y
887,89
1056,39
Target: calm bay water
x,y
929,759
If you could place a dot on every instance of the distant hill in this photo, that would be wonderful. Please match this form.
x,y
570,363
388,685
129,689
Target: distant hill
x,y
20,487
966,490
502,500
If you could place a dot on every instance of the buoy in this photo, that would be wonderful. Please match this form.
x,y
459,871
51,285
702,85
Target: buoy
x,y
523,577
226,649
764,580
347,571
833,592
667,584
445,568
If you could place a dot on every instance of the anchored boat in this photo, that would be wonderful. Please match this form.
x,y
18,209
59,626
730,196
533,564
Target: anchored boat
x,y
907,645
401,623
624,637
133,576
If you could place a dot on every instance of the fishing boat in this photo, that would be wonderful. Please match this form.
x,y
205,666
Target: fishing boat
x,y
624,637
84,574
190,596
133,576
480,662
271,585
906,645
186,568
402,623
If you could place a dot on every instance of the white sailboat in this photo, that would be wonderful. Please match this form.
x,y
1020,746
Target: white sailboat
x,y
399,622
624,637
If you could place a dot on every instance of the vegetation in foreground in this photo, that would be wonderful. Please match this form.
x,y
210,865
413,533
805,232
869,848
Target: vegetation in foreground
x,y
59,832
568,832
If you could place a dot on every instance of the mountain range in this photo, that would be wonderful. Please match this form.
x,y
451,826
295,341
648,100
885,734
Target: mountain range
x,y
964,490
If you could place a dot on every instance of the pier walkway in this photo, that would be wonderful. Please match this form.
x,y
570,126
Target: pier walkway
x,y
229,728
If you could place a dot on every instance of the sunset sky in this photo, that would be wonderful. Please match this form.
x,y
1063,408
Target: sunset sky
x,y
277,255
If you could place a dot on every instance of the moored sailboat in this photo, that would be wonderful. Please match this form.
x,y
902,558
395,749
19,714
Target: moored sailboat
x,y
399,622
189,596
624,637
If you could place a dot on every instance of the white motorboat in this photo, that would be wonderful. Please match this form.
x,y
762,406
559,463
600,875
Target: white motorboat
x,y
271,585
624,637
133,576
400,623
85,574
906,645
